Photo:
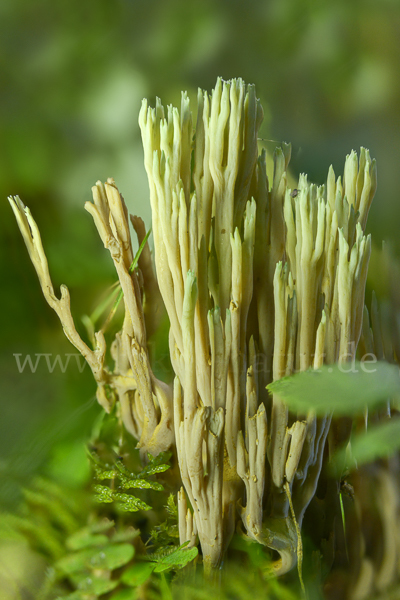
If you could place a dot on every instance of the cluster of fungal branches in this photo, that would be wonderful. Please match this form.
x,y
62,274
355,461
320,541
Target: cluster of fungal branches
x,y
259,281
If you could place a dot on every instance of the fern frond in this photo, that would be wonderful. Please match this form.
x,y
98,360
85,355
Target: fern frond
x,y
123,479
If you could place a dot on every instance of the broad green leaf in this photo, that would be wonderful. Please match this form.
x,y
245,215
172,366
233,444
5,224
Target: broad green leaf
x,y
84,538
378,441
176,560
73,563
346,389
112,557
138,573
97,585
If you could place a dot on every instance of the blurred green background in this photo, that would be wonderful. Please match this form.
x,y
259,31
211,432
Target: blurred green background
x,y
73,75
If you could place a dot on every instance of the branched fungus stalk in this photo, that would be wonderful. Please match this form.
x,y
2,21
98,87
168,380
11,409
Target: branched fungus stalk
x,y
259,281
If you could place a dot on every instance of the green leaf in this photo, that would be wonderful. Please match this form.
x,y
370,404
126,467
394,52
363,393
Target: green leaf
x,y
97,585
379,441
346,389
103,493
102,474
122,469
112,557
138,573
177,559
130,503
156,469
73,563
126,502
143,484
157,464
84,538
